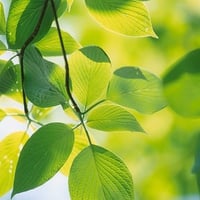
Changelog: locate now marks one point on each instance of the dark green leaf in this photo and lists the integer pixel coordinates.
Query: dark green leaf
(90, 70)
(23, 17)
(182, 85)
(44, 81)
(50, 44)
(110, 117)
(138, 89)
(96, 173)
(43, 156)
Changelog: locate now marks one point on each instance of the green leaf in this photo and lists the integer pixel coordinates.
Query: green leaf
(10, 82)
(10, 148)
(138, 89)
(69, 4)
(23, 18)
(182, 85)
(2, 20)
(44, 81)
(127, 17)
(96, 173)
(50, 44)
(2, 114)
(43, 156)
(80, 142)
(2, 47)
(110, 117)
(90, 70)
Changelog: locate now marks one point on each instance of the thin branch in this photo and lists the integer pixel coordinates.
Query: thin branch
(67, 76)
(21, 54)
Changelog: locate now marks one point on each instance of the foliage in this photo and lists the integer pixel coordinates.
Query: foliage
(93, 95)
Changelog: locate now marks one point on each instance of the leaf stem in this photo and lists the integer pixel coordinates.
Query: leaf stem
(67, 76)
(21, 56)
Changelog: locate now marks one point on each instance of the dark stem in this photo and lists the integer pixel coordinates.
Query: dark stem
(67, 76)
(21, 54)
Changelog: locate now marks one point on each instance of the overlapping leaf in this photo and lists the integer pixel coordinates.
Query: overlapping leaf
(10, 148)
(128, 17)
(2, 47)
(2, 20)
(10, 84)
(80, 143)
(43, 156)
(90, 73)
(182, 85)
(96, 173)
(138, 89)
(44, 81)
(110, 117)
(23, 18)
(69, 4)
(2, 114)
(50, 44)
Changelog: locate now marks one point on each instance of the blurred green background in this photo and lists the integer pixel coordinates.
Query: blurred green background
(161, 161)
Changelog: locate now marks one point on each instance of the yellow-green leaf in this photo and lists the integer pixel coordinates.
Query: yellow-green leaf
(127, 17)
(10, 148)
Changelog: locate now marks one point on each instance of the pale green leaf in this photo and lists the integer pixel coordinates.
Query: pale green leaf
(23, 18)
(96, 173)
(69, 4)
(2, 114)
(43, 156)
(50, 44)
(90, 71)
(138, 89)
(80, 142)
(10, 148)
(10, 81)
(2, 47)
(2, 20)
(182, 85)
(110, 117)
(44, 81)
(127, 17)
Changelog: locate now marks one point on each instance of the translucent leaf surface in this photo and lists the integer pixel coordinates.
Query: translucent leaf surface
(69, 4)
(182, 85)
(10, 148)
(97, 173)
(110, 117)
(128, 17)
(80, 143)
(2, 114)
(10, 84)
(2, 20)
(50, 44)
(23, 17)
(43, 156)
(2, 47)
(44, 81)
(90, 73)
(137, 89)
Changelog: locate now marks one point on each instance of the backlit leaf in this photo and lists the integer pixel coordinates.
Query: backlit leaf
(10, 148)
(2, 114)
(10, 81)
(182, 85)
(2, 20)
(90, 74)
(138, 89)
(50, 44)
(127, 17)
(80, 143)
(96, 173)
(69, 4)
(23, 17)
(110, 117)
(2, 47)
(44, 81)
(43, 156)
